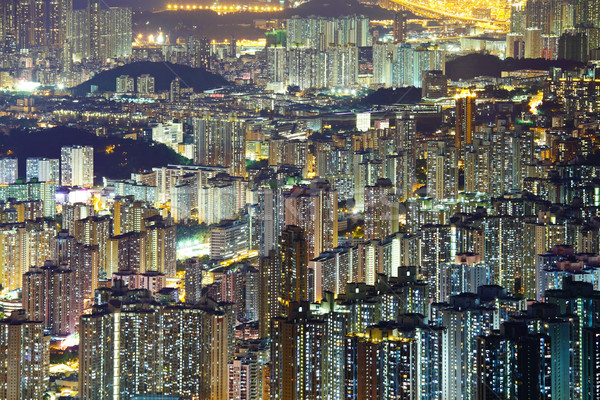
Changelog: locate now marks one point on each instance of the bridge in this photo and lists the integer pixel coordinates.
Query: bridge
(422, 10)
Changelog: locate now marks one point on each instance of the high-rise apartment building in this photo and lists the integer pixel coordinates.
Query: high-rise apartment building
(465, 275)
(314, 209)
(138, 347)
(271, 285)
(145, 84)
(98, 32)
(464, 321)
(175, 90)
(400, 26)
(51, 294)
(24, 24)
(297, 354)
(130, 215)
(202, 58)
(161, 247)
(181, 202)
(43, 169)
(24, 357)
(126, 252)
(277, 62)
(125, 84)
(465, 120)
(94, 231)
(381, 210)
(94, 31)
(9, 170)
(229, 239)
(591, 363)
(318, 32)
(221, 142)
(405, 141)
(533, 43)
(74, 212)
(294, 265)
(271, 222)
(77, 166)
(514, 363)
(442, 170)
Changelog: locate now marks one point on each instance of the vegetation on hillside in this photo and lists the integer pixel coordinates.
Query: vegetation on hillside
(113, 157)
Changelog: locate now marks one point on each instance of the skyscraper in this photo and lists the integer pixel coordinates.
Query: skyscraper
(145, 84)
(51, 294)
(400, 28)
(126, 252)
(297, 354)
(9, 171)
(161, 245)
(314, 208)
(294, 265)
(442, 170)
(24, 24)
(270, 209)
(94, 231)
(43, 169)
(221, 141)
(591, 363)
(271, 286)
(24, 357)
(125, 84)
(74, 212)
(175, 91)
(381, 210)
(77, 166)
(138, 346)
(276, 59)
(578, 299)
(465, 120)
(513, 364)
(533, 43)
(405, 142)
(202, 59)
(464, 321)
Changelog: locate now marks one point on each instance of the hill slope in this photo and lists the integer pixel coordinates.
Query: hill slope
(113, 158)
(387, 96)
(473, 65)
(163, 73)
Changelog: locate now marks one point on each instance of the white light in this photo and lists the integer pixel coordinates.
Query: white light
(27, 86)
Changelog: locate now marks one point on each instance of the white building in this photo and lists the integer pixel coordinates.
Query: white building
(43, 169)
(9, 170)
(229, 239)
(464, 321)
(125, 84)
(363, 121)
(77, 166)
(169, 133)
(145, 84)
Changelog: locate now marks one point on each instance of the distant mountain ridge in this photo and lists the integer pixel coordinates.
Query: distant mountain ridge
(163, 72)
(208, 23)
(338, 8)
